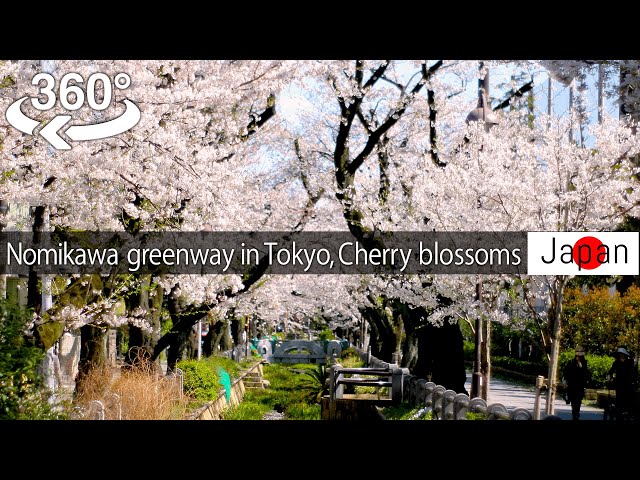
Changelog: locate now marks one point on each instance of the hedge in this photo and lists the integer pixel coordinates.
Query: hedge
(598, 365)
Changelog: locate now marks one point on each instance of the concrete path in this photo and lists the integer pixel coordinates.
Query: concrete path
(517, 396)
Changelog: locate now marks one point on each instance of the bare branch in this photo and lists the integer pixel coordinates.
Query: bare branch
(394, 83)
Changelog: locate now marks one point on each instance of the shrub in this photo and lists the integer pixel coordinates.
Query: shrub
(598, 365)
(601, 321)
(520, 366)
(316, 383)
(350, 352)
(351, 362)
(350, 358)
(469, 349)
(22, 395)
(326, 334)
(200, 380)
(230, 366)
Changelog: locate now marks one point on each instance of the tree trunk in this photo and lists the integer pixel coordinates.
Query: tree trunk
(237, 328)
(141, 343)
(34, 297)
(226, 342)
(441, 356)
(92, 352)
(555, 321)
(383, 334)
(410, 351)
(214, 338)
(176, 349)
(411, 321)
(183, 318)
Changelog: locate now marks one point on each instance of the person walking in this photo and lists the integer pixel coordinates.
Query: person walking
(621, 376)
(576, 374)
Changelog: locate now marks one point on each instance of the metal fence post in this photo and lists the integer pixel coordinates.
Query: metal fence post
(536, 404)
(100, 406)
(180, 375)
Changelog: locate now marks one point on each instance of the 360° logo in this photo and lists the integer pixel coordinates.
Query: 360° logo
(49, 132)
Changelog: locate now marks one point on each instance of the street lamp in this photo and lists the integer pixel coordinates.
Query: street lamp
(482, 113)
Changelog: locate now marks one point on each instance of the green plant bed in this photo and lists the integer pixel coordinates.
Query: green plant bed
(293, 389)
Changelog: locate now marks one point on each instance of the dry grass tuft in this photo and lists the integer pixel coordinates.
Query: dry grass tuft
(136, 393)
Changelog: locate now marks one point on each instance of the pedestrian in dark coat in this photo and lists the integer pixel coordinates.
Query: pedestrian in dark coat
(576, 374)
(622, 376)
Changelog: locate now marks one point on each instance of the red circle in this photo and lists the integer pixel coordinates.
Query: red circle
(585, 253)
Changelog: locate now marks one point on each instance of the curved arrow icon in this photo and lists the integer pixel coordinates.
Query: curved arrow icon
(50, 132)
(124, 122)
(18, 119)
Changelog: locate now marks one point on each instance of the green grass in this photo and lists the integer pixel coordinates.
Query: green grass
(289, 392)
(351, 362)
(247, 410)
(304, 411)
(403, 412)
(475, 416)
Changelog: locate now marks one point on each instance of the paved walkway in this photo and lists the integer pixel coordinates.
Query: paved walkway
(517, 396)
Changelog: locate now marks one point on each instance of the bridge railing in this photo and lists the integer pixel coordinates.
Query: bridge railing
(390, 378)
(444, 404)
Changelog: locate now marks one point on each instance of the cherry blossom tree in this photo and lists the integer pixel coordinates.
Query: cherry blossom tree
(539, 179)
(363, 146)
(180, 168)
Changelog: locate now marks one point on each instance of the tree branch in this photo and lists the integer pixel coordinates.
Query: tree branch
(313, 197)
(393, 118)
(383, 165)
(259, 120)
(517, 94)
(433, 134)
